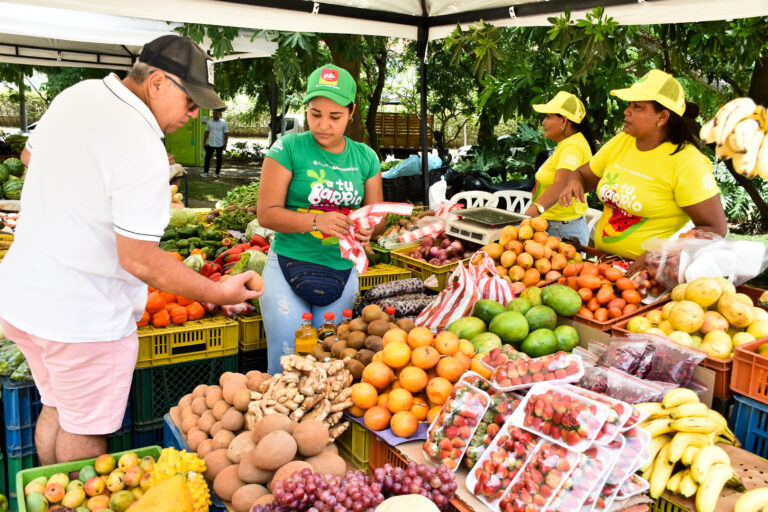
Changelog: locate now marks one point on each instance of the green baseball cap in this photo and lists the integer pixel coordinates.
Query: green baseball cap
(332, 82)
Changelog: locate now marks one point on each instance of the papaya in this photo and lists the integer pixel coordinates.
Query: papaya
(170, 495)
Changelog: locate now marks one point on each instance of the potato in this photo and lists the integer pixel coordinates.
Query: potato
(254, 382)
(186, 411)
(331, 448)
(199, 391)
(244, 497)
(240, 445)
(206, 421)
(175, 414)
(185, 401)
(274, 450)
(222, 439)
(212, 396)
(227, 482)
(251, 474)
(242, 399)
(214, 463)
(223, 378)
(189, 422)
(288, 469)
(198, 405)
(232, 420)
(311, 437)
(219, 409)
(264, 500)
(271, 423)
(235, 382)
(195, 438)
(205, 448)
(215, 429)
(328, 463)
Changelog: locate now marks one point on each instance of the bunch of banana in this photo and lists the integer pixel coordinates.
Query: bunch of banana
(740, 131)
(684, 457)
(755, 500)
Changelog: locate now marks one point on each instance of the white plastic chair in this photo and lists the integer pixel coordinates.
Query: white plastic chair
(517, 201)
(592, 216)
(476, 199)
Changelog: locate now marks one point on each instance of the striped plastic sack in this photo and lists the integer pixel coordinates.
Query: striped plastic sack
(454, 302)
(489, 283)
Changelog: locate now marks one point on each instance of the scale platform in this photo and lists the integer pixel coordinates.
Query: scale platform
(481, 225)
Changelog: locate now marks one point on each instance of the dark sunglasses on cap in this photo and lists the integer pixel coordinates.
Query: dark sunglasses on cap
(193, 106)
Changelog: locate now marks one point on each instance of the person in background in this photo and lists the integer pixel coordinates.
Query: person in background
(652, 178)
(215, 140)
(564, 123)
(96, 201)
(310, 181)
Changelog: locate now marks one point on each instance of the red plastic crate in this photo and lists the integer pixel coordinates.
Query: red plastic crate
(750, 371)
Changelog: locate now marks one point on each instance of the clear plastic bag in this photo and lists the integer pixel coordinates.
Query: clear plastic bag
(620, 385)
(672, 262)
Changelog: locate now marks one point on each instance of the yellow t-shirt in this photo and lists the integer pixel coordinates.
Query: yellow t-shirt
(644, 192)
(570, 153)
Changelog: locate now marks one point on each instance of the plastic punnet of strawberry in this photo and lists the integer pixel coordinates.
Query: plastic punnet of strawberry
(502, 355)
(500, 409)
(633, 486)
(636, 416)
(618, 413)
(449, 435)
(538, 481)
(559, 367)
(500, 463)
(614, 448)
(480, 382)
(637, 440)
(593, 464)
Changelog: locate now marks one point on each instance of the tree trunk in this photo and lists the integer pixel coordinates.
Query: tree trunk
(355, 129)
(274, 121)
(22, 104)
(758, 86)
(373, 107)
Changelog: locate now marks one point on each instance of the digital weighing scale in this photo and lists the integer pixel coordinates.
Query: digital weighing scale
(481, 225)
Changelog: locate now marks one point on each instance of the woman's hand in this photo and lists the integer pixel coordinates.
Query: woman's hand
(363, 235)
(334, 224)
(532, 211)
(573, 189)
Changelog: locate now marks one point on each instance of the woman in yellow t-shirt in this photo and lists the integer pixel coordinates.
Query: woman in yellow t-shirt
(564, 123)
(652, 178)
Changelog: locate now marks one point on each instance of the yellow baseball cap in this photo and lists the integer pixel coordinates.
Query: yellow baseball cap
(565, 104)
(658, 86)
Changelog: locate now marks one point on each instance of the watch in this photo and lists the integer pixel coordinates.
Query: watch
(539, 208)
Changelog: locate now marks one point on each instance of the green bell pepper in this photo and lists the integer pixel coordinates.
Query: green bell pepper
(169, 234)
(182, 243)
(169, 246)
(213, 234)
(188, 231)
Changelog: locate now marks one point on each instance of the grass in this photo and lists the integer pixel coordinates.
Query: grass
(204, 192)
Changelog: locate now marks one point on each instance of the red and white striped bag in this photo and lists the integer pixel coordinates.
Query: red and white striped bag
(454, 302)
(489, 283)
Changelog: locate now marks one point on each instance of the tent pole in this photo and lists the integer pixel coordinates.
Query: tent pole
(423, 40)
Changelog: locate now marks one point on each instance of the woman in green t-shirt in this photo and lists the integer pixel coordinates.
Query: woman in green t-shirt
(564, 123)
(310, 182)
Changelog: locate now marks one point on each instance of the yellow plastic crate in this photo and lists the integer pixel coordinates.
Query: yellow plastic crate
(251, 332)
(422, 269)
(382, 273)
(354, 444)
(199, 339)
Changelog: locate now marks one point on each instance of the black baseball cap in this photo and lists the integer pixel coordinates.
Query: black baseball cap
(184, 58)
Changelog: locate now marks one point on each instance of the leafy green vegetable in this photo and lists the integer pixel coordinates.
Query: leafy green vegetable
(244, 195)
(235, 219)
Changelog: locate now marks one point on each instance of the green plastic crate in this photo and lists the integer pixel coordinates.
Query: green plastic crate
(2, 474)
(119, 442)
(27, 475)
(15, 466)
(155, 390)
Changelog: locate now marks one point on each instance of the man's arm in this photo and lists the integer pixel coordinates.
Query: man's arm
(25, 156)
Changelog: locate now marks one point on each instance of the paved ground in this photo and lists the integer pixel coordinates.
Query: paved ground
(203, 192)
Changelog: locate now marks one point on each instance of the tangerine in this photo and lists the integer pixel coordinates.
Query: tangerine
(397, 354)
(394, 335)
(419, 337)
(438, 390)
(364, 395)
(464, 359)
(447, 343)
(425, 357)
(413, 378)
(396, 385)
(404, 424)
(433, 412)
(383, 399)
(400, 400)
(450, 368)
(355, 411)
(378, 374)
(478, 367)
(420, 409)
(377, 418)
(466, 347)
(378, 357)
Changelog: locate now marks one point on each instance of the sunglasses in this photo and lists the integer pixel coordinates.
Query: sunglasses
(193, 106)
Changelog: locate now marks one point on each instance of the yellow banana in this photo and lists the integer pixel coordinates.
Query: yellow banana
(683, 440)
(761, 167)
(705, 459)
(687, 486)
(662, 470)
(695, 425)
(673, 484)
(724, 151)
(741, 135)
(679, 396)
(720, 421)
(707, 132)
(752, 501)
(658, 427)
(709, 490)
(689, 454)
(656, 444)
(746, 164)
(688, 409)
(733, 112)
(654, 410)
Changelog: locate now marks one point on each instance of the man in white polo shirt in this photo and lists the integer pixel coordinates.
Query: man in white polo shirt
(215, 140)
(95, 202)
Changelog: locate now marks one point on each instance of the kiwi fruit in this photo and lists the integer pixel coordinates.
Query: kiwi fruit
(378, 327)
(317, 351)
(342, 331)
(328, 342)
(374, 343)
(406, 324)
(348, 352)
(355, 367)
(371, 312)
(358, 324)
(365, 356)
(356, 339)
(324, 356)
(338, 347)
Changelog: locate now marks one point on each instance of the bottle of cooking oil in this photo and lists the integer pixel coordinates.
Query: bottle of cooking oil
(390, 311)
(346, 317)
(306, 335)
(327, 329)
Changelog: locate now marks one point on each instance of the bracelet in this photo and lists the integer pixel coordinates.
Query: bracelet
(314, 223)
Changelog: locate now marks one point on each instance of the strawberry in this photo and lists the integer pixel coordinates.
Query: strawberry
(560, 374)
(537, 423)
(539, 500)
(545, 491)
(553, 479)
(527, 379)
(538, 377)
(459, 443)
(445, 444)
(556, 433)
(539, 408)
(465, 432)
(572, 438)
(452, 432)
(527, 420)
(549, 376)
(515, 382)
(459, 421)
(456, 453)
(535, 475)
(525, 497)
(563, 465)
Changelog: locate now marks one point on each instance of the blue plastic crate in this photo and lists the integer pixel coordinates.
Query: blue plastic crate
(174, 438)
(749, 421)
(21, 407)
(147, 434)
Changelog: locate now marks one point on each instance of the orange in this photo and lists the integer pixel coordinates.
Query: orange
(399, 400)
(464, 359)
(378, 357)
(394, 335)
(364, 395)
(438, 390)
(356, 411)
(397, 354)
(447, 343)
(396, 385)
(433, 412)
(383, 399)
(377, 418)
(413, 379)
(404, 424)
(466, 347)
(419, 337)
(419, 408)
(450, 368)
(425, 357)
(478, 367)
(378, 374)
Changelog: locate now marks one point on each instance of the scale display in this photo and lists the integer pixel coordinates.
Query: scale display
(481, 225)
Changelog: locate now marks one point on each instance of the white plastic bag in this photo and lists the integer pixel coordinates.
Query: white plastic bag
(437, 194)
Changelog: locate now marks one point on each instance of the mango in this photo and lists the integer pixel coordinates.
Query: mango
(74, 498)
(116, 481)
(737, 312)
(758, 329)
(36, 502)
(127, 461)
(563, 299)
(638, 324)
(714, 321)
(121, 500)
(94, 486)
(61, 478)
(104, 464)
(741, 338)
(704, 291)
(717, 344)
(681, 338)
(133, 476)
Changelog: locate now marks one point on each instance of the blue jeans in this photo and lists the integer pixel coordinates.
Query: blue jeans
(576, 228)
(281, 309)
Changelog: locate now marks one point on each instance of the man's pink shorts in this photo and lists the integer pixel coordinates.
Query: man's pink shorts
(87, 383)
